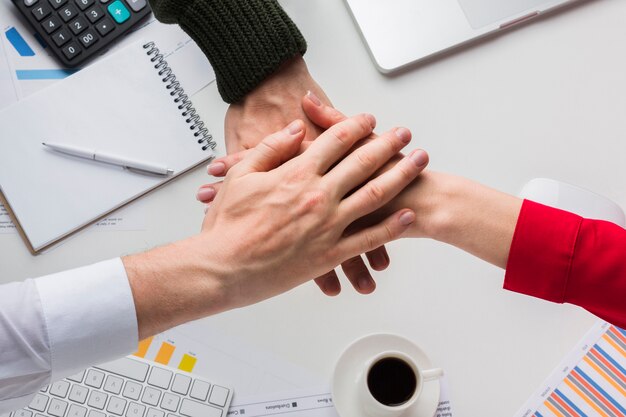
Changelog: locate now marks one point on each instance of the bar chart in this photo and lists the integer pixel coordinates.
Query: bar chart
(165, 351)
(590, 382)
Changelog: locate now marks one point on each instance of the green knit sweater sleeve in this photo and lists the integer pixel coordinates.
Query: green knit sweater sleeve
(244, 40)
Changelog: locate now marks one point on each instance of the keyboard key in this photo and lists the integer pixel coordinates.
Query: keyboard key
(151, 396)
(78, 394)
(23, 413)
(88, 38)
(68, 13)
(94, 413)
(57, 408)
(60, 389)
(128, 368)
(181, 384)
(170, 402)
(116, 406)
(79, 376)
(113, 384)
(57, 3)
(29, 3)
(97, 400)
(155, 413)
(94, 378)
(118, 11)
(76, 411)
(137, 5)
(41, 12)
(160, 377)
(132, 390)
(200, 390)
(52, 24)
(195, 409)
(94, 14)
(44, 389)
(71, 50)
(136, 410)
(219, 395)
(84, 4)
(39, 403)
(78, 25)
(105, 26)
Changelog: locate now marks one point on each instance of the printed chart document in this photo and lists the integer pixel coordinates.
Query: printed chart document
(590, 381)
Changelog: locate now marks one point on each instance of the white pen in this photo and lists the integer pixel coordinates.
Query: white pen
(130, 164)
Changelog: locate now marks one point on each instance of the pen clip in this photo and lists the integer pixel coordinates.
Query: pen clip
(149, 173)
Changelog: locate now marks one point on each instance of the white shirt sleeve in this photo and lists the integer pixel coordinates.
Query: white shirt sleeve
(55, 326)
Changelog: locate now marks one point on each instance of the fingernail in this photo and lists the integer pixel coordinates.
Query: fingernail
(365, 283)
(332, 287)
(371, 119)
(315, 99)
(404, 134)
(379, 260)
(419, 157)
(406, 219)
(216, 168)
(294, 128)
(205, 193)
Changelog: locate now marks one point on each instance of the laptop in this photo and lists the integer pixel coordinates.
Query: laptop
(403, 32)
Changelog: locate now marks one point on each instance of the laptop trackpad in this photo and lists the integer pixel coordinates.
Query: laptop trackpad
(484, 12)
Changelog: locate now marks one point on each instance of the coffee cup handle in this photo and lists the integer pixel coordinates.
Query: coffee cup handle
(431, 374)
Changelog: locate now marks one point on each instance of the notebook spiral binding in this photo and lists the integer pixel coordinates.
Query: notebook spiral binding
(183, 101)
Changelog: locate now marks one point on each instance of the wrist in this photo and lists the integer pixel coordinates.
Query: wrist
(174, 284)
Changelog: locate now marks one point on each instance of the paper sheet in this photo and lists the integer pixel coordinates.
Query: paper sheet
(590, 381)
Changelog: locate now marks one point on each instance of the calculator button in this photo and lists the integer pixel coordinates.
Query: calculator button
(68, 13)
(78, 25)
(71, 50)
(119, 12)
(83, 4)
(88, 38)
(94, 14)
(61, 37)
(137, 5)
(41, 11)
(105, 26)
(51, 24)
(29, 3)
(57, 3)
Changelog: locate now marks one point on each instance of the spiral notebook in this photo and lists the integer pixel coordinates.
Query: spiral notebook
(128, 104)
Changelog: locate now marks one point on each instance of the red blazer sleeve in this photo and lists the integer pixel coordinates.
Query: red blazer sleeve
(561, 257)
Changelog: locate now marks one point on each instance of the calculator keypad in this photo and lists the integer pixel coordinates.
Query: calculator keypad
(77, 29)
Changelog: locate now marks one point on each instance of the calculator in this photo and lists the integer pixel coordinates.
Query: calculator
(78, 30)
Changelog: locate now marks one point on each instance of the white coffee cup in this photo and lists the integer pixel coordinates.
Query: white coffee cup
(409, 383)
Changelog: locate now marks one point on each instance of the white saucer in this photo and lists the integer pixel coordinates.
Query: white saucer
(350, 365)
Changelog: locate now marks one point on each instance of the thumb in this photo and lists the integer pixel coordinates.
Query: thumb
(319, 113)
(272, 151)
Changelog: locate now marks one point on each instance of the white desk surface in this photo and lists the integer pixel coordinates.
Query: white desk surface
(548, 99)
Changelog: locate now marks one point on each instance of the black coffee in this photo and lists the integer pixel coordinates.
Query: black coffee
(392, 381)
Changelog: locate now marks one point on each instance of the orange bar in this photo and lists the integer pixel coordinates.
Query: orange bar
(617, 334)
(595, 393)
(562, 403)
(605, 376)
(165, 353)
(615, 345)
(584, 397)
(552, 408)
(144, 345)
(187, 363)
(609, 365)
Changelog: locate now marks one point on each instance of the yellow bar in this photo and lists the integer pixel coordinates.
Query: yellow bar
(144, 345)
(187, 363)
(165, 353)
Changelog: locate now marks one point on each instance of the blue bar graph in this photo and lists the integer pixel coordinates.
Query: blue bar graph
(19, 43)
(44, 74)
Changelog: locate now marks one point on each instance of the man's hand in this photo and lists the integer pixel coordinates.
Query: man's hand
(277, 223)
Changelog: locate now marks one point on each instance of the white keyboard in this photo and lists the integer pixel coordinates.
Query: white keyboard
(130, 387)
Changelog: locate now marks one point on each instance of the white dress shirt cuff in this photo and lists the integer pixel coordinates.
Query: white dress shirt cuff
(90, 316)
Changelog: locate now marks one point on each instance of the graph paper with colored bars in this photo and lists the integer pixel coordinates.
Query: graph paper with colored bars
(162, 350)
(591, 380)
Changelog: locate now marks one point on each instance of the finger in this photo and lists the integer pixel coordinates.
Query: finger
(357, 273)
(371, 238)
(208, 192)
(361, 164)
(378, 259)
(273, 150)
(221, 166)
(329, 283)
(380, 190)
(319, 113)
(333, 144)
